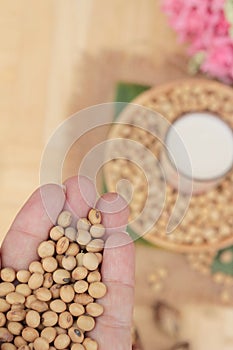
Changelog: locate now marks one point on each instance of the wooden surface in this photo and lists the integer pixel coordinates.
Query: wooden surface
(58, 56)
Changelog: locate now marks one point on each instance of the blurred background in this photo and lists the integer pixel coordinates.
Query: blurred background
(57, 57)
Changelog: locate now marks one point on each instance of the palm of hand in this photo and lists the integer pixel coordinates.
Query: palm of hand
(31, 226)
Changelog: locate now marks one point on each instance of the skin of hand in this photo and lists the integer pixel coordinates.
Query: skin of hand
(32, 225)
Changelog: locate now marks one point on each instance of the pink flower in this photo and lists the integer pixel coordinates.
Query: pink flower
(204, 25)
(219, 60)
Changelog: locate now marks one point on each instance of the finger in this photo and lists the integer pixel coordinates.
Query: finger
(80, 196)
(115, 212)
(113, 329)
(31, 226)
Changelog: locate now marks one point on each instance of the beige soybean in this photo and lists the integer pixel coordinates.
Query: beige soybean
(94, 309)
(2, 319)
(41, 344)
(77, 347)
(49, 318)
(59, 258)
(62, 341)
(36, 266)
(65, 320)
(97, 290)
(17, 306)
(43, 294)
(94, 276)
(36, 280)
(94, 216)
(8, 346)
(15, 328)
(67, 293)
(45, 249)
(24, 347)
(23, 276)
(90, 344)
(69, 262)
(95, 246)
(19, 341)
(16, 315)
(29, 300)
(30, 334)
(90, 261)
(83, 224)
(5, 335)
(79, 259)
(58, 305)
(49, 333)
(56, 233)
(83, 299)
(99, 257)
(83, 237)
(8, 274)
(62, 245)
(86, 323)
(39, 306)
(48, 280)
(79, 273)
(49, 264)
(55, 290)
(70, 233)
(4, 306)
(6, 288)
(97, 230)
(76, 309)
(33, 319)
(76, 335)
(15, 298)
(23, 289)
(60, 330)
(64, 219)
(81, 286)
(73, 249)
(61, 276)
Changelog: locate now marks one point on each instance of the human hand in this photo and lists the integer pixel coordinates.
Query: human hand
(32, 225)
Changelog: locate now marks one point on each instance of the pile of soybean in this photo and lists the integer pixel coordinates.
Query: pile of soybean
(54, 303)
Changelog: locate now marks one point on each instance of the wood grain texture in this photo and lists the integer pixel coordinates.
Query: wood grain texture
(58, 56)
